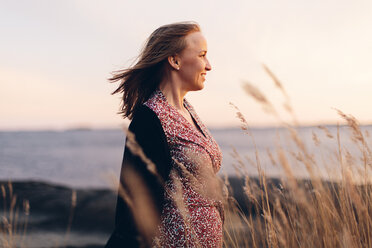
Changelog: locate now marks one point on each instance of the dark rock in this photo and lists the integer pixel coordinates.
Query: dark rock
(51, 208)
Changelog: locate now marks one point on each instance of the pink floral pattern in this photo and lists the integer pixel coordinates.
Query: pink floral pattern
(192, 216)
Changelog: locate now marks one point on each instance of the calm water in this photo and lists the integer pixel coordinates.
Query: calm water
(88, 158)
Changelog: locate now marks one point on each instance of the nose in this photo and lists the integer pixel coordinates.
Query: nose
(208, 66)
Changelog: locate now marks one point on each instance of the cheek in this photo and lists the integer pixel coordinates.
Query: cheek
(201, 66)
(192, 68)
(187, 73)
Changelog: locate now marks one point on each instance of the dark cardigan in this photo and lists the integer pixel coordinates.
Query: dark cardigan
(150, 136)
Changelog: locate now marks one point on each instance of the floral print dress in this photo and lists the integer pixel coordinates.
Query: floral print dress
(193, 212)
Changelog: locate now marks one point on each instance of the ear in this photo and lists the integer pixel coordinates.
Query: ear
(174, 62)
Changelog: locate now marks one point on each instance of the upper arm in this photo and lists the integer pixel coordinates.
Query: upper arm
(150, 137)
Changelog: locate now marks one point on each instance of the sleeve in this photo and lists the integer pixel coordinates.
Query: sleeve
(136, 178)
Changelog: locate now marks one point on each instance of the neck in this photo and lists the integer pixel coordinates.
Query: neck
(173, 92)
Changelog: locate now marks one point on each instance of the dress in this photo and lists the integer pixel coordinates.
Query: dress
(182, 154)
(195, 220)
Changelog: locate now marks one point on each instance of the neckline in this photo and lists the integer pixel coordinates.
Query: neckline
(197, 127)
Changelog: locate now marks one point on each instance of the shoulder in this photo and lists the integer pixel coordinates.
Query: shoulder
(150, 136)
(144, 118)
(144, 112)
(148, 130)
(147, 115)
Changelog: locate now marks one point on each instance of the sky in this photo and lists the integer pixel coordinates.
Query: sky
(56, 57)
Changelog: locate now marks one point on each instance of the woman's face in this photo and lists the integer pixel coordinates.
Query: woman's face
(193, 62)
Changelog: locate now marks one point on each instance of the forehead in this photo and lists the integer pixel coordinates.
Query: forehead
(196, 41)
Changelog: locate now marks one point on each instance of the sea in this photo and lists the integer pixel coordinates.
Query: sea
(89, 158)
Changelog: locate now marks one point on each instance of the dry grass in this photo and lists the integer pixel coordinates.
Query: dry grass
(14, 221)
(312, 213)
(12, 233)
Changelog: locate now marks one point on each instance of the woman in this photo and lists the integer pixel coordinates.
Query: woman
(169, 196)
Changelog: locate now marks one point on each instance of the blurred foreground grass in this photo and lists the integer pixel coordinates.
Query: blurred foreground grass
(303, 213)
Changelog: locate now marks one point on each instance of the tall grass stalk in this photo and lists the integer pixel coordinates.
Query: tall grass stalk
(304, 213)
(12, 232)
(14, 221)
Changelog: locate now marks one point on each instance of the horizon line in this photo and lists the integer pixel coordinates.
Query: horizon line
(211, 127)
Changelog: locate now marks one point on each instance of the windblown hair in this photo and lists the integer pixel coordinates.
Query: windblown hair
(139, 81)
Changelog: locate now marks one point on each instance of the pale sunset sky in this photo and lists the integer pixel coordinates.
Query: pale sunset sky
(56, 56)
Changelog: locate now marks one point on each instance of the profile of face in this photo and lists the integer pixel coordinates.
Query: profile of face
(193, 63)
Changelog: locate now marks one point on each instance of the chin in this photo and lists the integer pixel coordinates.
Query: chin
(197, 86)
(200, 87)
